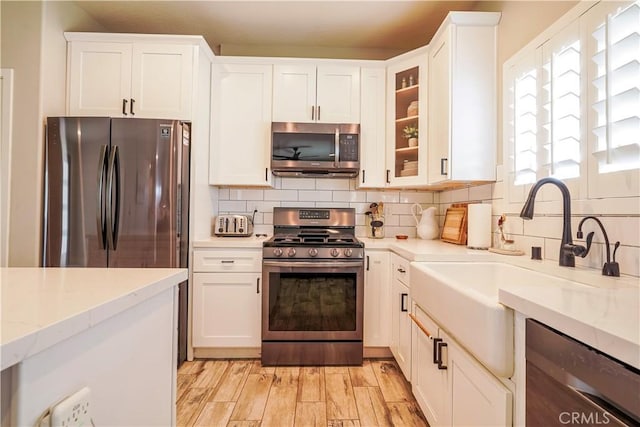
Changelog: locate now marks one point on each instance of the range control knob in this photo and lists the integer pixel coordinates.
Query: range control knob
(313, 252)
(348, 252)
(277, 251)
(334, 252)
(291, 253)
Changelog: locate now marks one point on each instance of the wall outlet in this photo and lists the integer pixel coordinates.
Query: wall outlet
(73, 411)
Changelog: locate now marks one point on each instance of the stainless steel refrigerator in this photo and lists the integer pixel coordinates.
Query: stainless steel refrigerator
(116, 194)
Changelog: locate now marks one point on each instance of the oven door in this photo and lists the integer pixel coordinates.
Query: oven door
(312, 300)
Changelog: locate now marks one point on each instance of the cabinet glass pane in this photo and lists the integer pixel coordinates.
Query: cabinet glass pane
(406, 122)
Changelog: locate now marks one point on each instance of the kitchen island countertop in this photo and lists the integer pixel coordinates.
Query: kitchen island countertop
(44, 306)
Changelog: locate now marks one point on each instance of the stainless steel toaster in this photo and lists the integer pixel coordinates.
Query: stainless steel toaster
(233, 225)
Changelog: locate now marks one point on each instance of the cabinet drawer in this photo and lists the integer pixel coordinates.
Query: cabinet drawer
(227, 260)
(401, 269)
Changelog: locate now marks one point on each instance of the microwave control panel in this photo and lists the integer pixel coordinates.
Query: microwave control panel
(348, 147)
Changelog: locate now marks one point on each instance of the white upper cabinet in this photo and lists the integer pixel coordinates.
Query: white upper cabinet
(310, 93)
(130, 75)
(407, 120)
(162, 80)
(462, 104)
(240, 124)
(372, 128)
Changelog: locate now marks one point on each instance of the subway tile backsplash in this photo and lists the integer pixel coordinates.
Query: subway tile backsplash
(326, 193)
(620, 216)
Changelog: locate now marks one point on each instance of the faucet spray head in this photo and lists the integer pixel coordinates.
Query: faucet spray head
(527, 209)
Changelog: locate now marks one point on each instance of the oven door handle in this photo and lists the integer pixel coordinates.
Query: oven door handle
(317, 264)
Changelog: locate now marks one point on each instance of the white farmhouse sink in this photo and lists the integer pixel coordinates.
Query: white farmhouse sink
(463, 298)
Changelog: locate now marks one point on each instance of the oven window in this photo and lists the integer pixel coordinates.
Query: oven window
(312, 302)
(313, 147)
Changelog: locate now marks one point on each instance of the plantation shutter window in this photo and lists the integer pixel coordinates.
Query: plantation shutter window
(560, 132)
(525, 127)
(613, 63)
(617, 91)
(572, 105)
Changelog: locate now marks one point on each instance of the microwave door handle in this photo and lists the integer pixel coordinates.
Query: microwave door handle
(336, 158)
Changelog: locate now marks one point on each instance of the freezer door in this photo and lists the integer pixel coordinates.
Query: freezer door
(147, 203)
(74, 220)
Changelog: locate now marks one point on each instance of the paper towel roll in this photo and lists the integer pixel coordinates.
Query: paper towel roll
(479, 231)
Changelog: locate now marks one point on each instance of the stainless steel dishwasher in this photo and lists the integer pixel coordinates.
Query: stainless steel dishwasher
(570, 383)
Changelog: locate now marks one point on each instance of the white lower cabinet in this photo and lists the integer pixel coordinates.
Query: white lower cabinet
(430, 385)
(377, 291)
(450, 386)
(400, 344)
(477, 397)
(226, 298)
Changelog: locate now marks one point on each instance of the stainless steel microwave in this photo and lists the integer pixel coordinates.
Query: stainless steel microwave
(315, 149)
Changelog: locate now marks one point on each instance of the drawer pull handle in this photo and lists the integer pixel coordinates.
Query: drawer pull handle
(440, 345)
(401, 270)
(420, 325)
(403, 302)
(227, 261)
(258, 285)
(436, 354)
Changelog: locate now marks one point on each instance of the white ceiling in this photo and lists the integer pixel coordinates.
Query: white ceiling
(387, 26)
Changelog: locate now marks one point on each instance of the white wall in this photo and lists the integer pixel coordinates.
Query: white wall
(33, 45)
(6, 102)
(21, 42)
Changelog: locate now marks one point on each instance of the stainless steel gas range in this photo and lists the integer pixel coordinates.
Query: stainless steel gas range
(313, 285)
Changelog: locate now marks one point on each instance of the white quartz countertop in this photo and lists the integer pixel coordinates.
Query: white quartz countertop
(43, 306)
(605, 314)
(252, 241)
(414, 249)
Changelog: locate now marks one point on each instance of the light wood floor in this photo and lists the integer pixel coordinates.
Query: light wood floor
(244, 393)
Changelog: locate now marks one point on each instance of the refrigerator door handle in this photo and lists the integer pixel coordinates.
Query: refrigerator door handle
(100, 220)
(113, 213)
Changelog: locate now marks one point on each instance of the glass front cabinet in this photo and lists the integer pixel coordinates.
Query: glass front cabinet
(407, 125)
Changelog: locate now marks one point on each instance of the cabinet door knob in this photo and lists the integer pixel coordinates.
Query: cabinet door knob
(124, 107)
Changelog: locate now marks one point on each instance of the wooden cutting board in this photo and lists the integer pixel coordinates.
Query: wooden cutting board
(454, 229)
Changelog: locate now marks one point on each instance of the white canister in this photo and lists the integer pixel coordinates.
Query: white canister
(479, 226)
